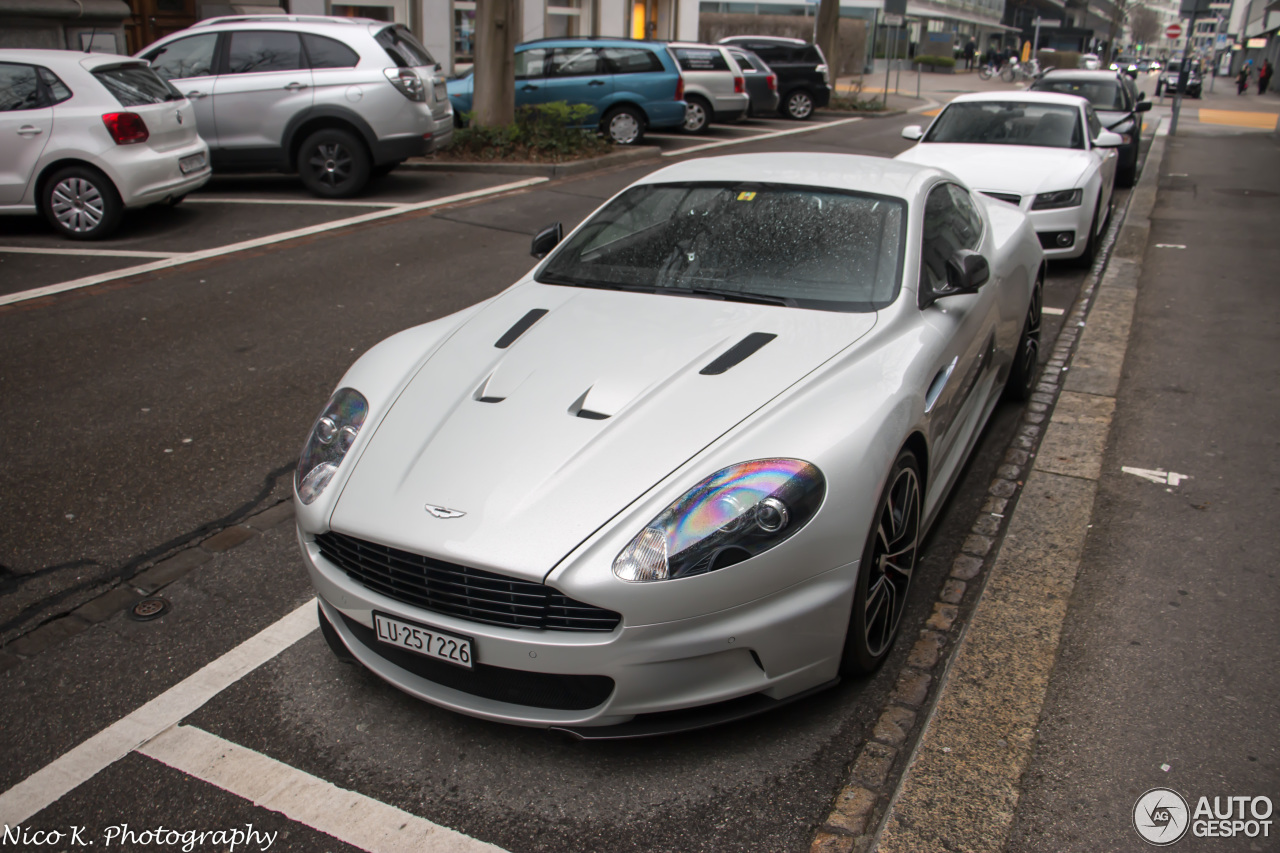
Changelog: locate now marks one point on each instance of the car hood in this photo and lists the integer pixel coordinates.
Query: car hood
(1020, 169)
(496, 433)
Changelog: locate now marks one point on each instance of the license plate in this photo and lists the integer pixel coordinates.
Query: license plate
(191, 164)
(424, 640)
(441, 92)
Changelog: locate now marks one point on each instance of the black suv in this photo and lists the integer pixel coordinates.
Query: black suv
(804, 83)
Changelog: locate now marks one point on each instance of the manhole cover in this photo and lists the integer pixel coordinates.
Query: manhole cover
(148, 609)
(1248, 193)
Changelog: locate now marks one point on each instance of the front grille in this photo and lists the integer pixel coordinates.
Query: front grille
(515, 686)
(1011, 198)
(461, 591)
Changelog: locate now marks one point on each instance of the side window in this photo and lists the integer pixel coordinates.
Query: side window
(1095, 126)
(257, 52)
(968, 222)
(747, 66)
(188, 57)
(57, 90)
(575, 62)
(945, 230)
(19, 88)
(325, 52)
(531, 63)
(630, 60)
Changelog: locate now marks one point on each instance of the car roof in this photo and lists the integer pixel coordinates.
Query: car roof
(771, 39)
(1082, 74)
(311, 20)
(590, 41)
(851, 172)
(1026, 97)
(45, 56)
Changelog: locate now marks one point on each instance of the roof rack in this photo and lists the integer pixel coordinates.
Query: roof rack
(282, 19)
(589, 38)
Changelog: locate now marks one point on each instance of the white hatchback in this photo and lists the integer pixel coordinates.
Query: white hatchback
(83, 136)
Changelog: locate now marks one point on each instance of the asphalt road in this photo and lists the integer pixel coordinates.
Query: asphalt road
(148, 412)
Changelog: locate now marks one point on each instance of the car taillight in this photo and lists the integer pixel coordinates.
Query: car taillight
(739, 85)
(772, 82)
(679, 89)
(407, 83)
(126, 128)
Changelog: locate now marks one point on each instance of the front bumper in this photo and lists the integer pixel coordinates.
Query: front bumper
(778, 646)
(1063, 220)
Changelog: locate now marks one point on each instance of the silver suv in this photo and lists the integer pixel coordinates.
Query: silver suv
(338, 100)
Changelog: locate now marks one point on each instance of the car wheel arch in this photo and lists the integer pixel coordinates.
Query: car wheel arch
(55, 166)
(306, 124)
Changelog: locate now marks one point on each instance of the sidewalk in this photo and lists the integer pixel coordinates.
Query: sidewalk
(1127, 637)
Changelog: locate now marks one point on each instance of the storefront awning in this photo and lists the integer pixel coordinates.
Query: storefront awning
(942, 13)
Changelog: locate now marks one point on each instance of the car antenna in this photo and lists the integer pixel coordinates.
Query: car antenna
(88, 48)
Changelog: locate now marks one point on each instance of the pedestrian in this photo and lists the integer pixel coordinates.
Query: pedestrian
(1242, 79)
(1264, 76)
(970, 50)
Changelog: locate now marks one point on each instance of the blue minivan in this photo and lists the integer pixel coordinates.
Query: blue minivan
(634, 86)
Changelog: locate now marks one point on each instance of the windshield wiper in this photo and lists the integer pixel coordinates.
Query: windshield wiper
(557, 278)
(731, 295)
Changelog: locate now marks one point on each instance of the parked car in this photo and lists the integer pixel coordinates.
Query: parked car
(338, 100)
(634, 86)
(715, 88)
(762, 83)
(1118, 104)
(90, 134)
(1167, 82)
(1044, 153)
(586, 539)
(804, 81)
(1090, 62)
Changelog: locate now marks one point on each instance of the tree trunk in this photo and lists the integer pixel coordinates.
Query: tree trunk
(828, 36)
(497, 34)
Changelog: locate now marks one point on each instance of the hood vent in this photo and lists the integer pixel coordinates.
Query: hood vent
(737, 354)
(522, 325)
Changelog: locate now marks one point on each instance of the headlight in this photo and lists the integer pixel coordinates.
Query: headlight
(1060, 198)
(331, 437)
(736, 513)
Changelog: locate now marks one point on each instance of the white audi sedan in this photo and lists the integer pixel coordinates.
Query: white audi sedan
(679, 472)
(1044, 153)
(86, 135)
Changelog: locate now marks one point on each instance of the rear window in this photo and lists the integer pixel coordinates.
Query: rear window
(328, 53)
(700, 59)
(1104, 95)
(403, 48)
(135, 85)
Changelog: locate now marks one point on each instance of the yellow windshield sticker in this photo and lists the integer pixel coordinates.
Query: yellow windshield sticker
(746, 196)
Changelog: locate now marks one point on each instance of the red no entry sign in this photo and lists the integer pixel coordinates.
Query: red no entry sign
(1174, 31)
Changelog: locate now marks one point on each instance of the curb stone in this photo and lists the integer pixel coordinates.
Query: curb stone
(628, 157)
(862, 808)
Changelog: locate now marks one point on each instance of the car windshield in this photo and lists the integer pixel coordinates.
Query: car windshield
(136, 85)
(805, 247)
(1008, 123)
(1103, 94)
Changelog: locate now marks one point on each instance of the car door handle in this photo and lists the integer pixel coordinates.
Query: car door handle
(596, 83)
(28, 130)
(528, 88)
(195, 95)
(294, 87)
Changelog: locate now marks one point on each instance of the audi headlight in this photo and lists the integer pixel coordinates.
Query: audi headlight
(331, 437)
(736, 513)
(1060, 198)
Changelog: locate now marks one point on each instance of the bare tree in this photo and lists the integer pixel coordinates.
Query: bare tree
(1144, 24)
(827, 36)
(497, 34)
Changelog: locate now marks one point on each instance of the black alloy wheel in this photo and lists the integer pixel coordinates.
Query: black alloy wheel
(334, 164)
(1022, 375)
(884, 575)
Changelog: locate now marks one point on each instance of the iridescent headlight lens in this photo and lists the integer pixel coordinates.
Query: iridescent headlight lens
(736, 513)
(331, 437)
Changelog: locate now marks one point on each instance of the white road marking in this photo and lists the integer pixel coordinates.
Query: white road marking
(771, 135)
(346, 815)
(1156, 475)
(303, 201)
(1057, 312)
(88, 253)
(57, 778)
(204, 254)
(1170, 246)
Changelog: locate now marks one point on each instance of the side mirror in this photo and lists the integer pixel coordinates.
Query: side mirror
(546, 240)
(1142, 106)
(913, 132)
(1107, 139)
(967, 271)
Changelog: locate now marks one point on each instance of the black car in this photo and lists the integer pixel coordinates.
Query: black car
(1117, 103)
(1167, 82)
(804, 82)
(762, 83)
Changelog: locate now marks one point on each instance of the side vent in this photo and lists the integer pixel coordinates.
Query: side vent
(578, 410)
(522, 325)
(737, 354)
(480, 395)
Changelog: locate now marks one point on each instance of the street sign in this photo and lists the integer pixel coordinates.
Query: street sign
(894, 20)
(1173, 31)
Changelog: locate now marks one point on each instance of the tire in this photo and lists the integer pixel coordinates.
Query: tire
(1127, 175)
(984, 73)
(81, 203)
(798, 106)
(1007, 74)
(333, 163)
(1090, 253)
(880, 595)
(174, 201)
(697, 115)
(623, 125)
(1022, 375)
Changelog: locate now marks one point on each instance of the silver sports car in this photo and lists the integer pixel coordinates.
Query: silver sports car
(680, 471)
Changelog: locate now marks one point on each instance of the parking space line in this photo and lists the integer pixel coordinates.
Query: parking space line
(292, 201)
(257, 242)
(88, 253)
(60, 776)
(1056, 312)
(345, 815)
(771, 135)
